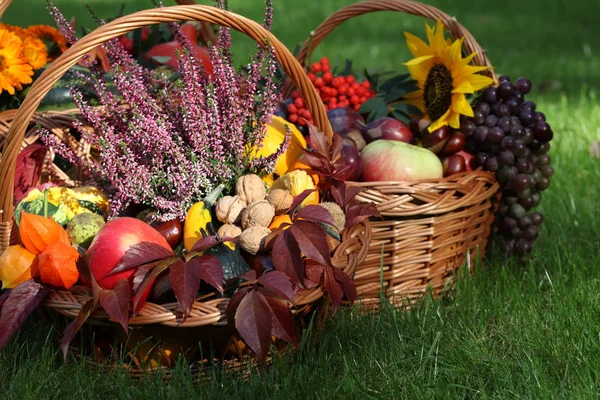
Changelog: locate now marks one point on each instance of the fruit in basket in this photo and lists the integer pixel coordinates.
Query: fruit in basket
(17, 265)
(454, 164)
(252, 239)
(296, 182)
(280, 199)
(280, 220)
(199, 218)
(250, 188)
(345, 118)
(231, 260)
(111, 243)
(391, 160)
(229, 209)
(352, 158)
(389, 129)
(229, 230)
(468, 157)
(83, 228)
(171, 230)
(354, 137)
(274, 137)
(37, 232)
(57, 265)
(259, 213)
(436, 141)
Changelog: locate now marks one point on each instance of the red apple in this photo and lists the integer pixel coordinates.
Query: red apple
(345, 118)
(112, 241)
(388, 129)
(391, 160)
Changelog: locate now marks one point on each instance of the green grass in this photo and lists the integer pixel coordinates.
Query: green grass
(510, 331)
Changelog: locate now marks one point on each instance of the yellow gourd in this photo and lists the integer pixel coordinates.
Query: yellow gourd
(273, 140)
(296, 182)
(198, 217)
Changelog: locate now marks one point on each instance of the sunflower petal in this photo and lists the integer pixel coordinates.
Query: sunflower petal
(463, 87)
(480, 81)
(466, 71)
(416, 46)
(442, 121)
(439, 42)
(454, 120)
(460, 105)
(419, 60)
(454, 51)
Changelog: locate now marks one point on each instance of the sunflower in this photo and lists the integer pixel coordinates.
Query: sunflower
(443, 77)
(14, 68)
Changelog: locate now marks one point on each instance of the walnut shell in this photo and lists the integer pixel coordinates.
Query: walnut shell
(252, 239)
(229, 209)
(229, 230)
(280, 199)
(250, 188)
(259, 213)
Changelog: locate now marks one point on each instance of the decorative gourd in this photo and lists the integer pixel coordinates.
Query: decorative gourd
(199, 218)
(279, 220)
(274, 139)
(296, 182)
(231, 259)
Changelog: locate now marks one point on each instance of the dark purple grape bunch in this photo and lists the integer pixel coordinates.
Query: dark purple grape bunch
(508, 136)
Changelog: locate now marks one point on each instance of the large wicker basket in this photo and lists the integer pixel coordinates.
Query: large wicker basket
(207, 323)
(429, 228)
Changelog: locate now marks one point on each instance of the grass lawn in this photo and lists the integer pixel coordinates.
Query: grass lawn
(511, 331)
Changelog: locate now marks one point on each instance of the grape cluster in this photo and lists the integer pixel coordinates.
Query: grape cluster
(335, 91)
(508, 136)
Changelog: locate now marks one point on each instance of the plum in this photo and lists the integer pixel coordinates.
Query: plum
(388, 129)
(352, 158)
(345, 118)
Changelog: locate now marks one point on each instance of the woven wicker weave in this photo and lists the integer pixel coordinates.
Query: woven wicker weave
(208, 311)
(429, 227)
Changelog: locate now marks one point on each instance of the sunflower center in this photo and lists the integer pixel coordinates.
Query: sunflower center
(438, 91)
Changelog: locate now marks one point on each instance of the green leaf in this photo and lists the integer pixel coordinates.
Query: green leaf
(373, 104)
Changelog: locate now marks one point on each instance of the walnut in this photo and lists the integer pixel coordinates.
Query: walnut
(252, 239)
(229, 209)
(337, 213)
(229, 230)
(250, 188)
(280, 199)
(259, 213)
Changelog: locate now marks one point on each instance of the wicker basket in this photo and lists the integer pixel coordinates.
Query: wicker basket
(207, 323)
(429, 227)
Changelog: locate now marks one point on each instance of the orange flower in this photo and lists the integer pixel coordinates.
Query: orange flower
(50, 34)
(35, 51)
(14, 68)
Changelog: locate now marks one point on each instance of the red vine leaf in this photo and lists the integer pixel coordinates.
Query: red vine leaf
(140, 254)
(357, 213)
(209, 242)
(317, 162)
(72, 329)
(348, 285)
(28, 169)
(278, 283)
(312, 240)
(337, 145)
(282, 320)
(4, 296)
(334, 289)
(314, 271)
(253, 323)
(287, 257)
(319, 141)
(299, 199)
(185, 279)
(234, 303)
(141, 291)
(212, 271)
(249, 276)
(315, 214)
(19, 304)
(343, 193)
(116, 302)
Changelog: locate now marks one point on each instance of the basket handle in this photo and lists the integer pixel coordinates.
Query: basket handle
(3, 6)
(115, 29)
(405, 6)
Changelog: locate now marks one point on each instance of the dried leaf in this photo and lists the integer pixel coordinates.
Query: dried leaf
(234, 303)
(21, 302)
(278, 283)
(28, 169)
(348, 286)
(299, 199)
(143, 289)
(140, 254)
(253, 323)
(282, 320)
(58, 265)
(312, 240)
(38, 232)
(287, 257)
(315, 213)
(334, 290)
(116, 302)
(72, 329)
(17, 265)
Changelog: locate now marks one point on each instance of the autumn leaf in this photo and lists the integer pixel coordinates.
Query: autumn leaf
(287, 257)
(349, 288)
(71, 330)
(17, 265)
(343, 193)
(319, 140)
(4, 296)
(282, 320)
(312, 240)
(234, 303)
(37, 232)
(315, 214)
(334, 290)
(253, 323)
(116, 302)
(19, 304)
(357, 213)
(208, 242)
(58, 265)
(142, 289)
(140, 254)
(278, 283)
(28, 169)
(314, 271)
(299, 199)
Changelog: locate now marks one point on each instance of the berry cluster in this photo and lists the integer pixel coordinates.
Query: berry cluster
(510, 137)
(335, 91)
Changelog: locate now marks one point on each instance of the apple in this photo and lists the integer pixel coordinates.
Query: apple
(345, 118)
(391, 160)
(352, 157)
(111, 243)
(388, 129)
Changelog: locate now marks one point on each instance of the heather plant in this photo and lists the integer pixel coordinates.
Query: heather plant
(165, 142)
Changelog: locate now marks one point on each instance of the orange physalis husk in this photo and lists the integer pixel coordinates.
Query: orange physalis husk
(58, 265)
(17, 265)
(38, 232)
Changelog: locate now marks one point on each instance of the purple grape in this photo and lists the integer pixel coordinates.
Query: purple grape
(491, 121)
(495, 135)
(547, 171)
(479, 117)
(523, 85)
(508, 223)
(522, 165)
(517, 131)
(517, 211)
(537, 198)
(481, 133)
(480, 159)
(530, 233)
(503, 111)
(484, 108)
(544, 159)
(543, 184)
(519, 148)
(508, 143)
(506, 157)
(524, 246)
(511, 173)
(527, 202)
(468, 127)
(503, 78)
(522, 182)
(491, 164)
(523, 194)
(505, 90)
(489, 95)
(542, 131)
(528, 136)
(526, 117)
(544, 148)
(513, 103)
(539, 116)
(516, 232)
(530, 105)
(537, 218)
(505, 124)
(509, 247)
